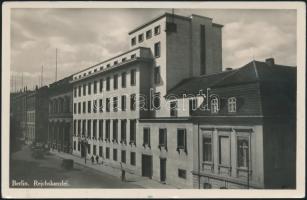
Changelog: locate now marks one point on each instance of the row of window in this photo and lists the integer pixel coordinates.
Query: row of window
(84, 128)
(224, 151)
(81, 89)
(148, 35)
(124, 59)
(96, 106)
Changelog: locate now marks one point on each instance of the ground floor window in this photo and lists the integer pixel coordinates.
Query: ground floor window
(115, 154)
(89, 149)
(243, 152)
(132, 158)
(79, 146)
(74, 145)
(100, 151)
(107, 153)
(207, 149)
(123, 156)
(182, 173)
(94, 149)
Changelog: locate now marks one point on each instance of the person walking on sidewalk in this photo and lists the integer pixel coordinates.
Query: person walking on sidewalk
(123, 172)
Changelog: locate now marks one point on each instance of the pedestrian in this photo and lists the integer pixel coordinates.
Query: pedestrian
(97, 158)
(123, 172)
(93, 159)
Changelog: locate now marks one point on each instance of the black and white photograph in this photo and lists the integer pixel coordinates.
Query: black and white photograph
(115, 98)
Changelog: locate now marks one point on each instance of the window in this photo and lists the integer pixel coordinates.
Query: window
(89, 149)
(89, 106)
(243, 152)
(214, 105)
(108, 84)
(115, 81)
(100, 129)
(83, 127)
(123, 103)
(79, 127)
(89, 91)
(181, 139)
(100, 105)
(132, 158)
(124, 59)
(75, 108)
(157, 49)
(107, 153)
(157, 77)
(146, 136)
(123, 156)
(141, 37)
(115, 154)
(100, 151)
(79, 146)
(79, 91)
(84, 89)
(132, 131)
(95, 106)
(156, 101)
(163, 137)
(100, 85)
(107, 129)
(75, 127)
(108, 65)
(123, 129)
(207, 149)
(124, 79)
(132, 102)
(133, 56)
(89, 128)
(157, 30)
(182, 173)
(95, 128)
(148, 34)
(173, 108)
(133, 41)
(224, 151)
(192, 105)
(94, 149)
(95, 87)
(84, 107)
(115, 104)
(132, 77)
(108, 104)
(75, 92)
(115, 62)
(79, 107)
(232, 104)
(115, 130)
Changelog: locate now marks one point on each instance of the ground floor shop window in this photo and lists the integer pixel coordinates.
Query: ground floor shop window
(182, 173)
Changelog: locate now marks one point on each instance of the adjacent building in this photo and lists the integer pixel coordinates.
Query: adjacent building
(60, 115)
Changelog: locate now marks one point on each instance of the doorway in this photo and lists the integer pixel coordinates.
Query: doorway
(162, 169)
(147, 166)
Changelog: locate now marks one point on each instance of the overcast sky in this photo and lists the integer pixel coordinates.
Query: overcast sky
(85, 37)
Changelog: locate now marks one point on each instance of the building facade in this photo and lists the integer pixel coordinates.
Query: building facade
(112, 98)
(60, 115)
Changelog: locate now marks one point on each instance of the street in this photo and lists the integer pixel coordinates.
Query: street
(25, 170)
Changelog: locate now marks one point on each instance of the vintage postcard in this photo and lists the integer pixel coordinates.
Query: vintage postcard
(153, 99)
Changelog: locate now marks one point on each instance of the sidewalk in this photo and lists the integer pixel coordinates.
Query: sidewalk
(115, 171)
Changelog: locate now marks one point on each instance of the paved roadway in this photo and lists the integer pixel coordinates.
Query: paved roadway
(27, 169)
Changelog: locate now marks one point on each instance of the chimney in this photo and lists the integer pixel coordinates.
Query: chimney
(270, 61)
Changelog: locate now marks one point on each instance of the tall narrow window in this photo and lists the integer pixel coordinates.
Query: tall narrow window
(207, 149)
(94, 149)
(108, 130)
(133, 131)
(79, 91)
(203, 49)
(173, 108)
(214, 105)
(115, 104)
(123, 102)
(108, 84)
(146, 136)
(224, 151)
(115, 81)
(79, 107)
(123, 156)
(89, 128)
(89, 106)
(95, 106)
(75, 127)
(89, 90)
(83, 127)
(100, 151)
(100, 105)
(181, 139)
(84, 107)
(162, 137)
(132, 102)
(232, 105)
(115, 130)
(132, 158)
(100, 129)
(157, 30)
(156, 101)
(107, 152)
(124, 79)
(115, 154)
(243, 152)
(132, 77)
(84, 89)
(157, 77)
(148, 34)
(157, 49)
(75, 108)
(95, 128)
(95, 87)
(75, 92)
(133, 41)
(79, 127)
(123, 131)
(100, 85)
(108, 104)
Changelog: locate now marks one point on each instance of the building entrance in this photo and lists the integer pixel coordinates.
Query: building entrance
(162, 169)
(147, 166)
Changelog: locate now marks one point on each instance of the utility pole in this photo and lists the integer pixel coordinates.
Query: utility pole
(56, 63)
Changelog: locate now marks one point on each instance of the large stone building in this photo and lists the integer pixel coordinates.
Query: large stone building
(60, 115)
(112, 97)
